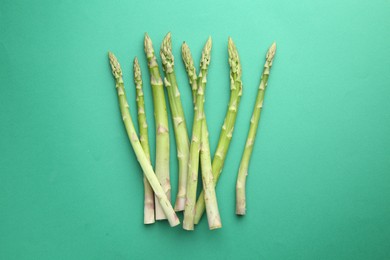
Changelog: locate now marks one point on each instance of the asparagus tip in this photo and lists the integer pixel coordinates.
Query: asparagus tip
(148, 46)
(166, 45)
(209, 44)
(167, 40)
(230, 40)
(271, 52)
(166, 54)
(188, 62)
(205, 60)
(184, 47)
(186, 54)
(137, 70)
(234, 59)
(232, 49)
(115, 66)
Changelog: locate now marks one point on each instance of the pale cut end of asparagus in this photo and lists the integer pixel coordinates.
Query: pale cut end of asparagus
(180, 204)
(167, 58)
(115, 66)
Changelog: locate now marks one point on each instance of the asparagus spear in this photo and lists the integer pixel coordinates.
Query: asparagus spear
(179, 123)
(135, 143)
(161, 118)
(192, 179)
(144, 139)
(212, 210)
(228, 125)
(243, 171)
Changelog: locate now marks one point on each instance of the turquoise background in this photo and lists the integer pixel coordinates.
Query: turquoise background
(319, 181)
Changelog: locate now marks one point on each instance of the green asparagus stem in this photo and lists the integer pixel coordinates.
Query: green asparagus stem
(243, 171)
(161, 119)
(228, 125)
(144, 139)
(212, 210)
(135, 143)
(179, 123)
(193, 165)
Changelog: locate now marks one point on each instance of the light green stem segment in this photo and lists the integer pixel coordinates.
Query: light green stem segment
(193, 165)
(243, 170)
(212, 210)
(161, 121)
(144, 139)
(228, 125)
(179, 123)
(135, 143)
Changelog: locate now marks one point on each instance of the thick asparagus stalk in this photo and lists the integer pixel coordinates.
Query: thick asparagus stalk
(243, 171)
(161, 119)
(193, 165)
(144, 139)
(212, 210)
(179, 123)
(135, 143)
(228, 125)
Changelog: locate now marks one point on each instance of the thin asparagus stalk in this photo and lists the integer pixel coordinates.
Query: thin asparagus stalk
(212, 210)
(144, 139)
(193, 165)
(228, 125)
(179, 123)
(135, 143)
(243, 171)
(161, 119)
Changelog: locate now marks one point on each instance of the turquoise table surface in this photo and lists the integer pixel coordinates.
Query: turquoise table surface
(319, 179)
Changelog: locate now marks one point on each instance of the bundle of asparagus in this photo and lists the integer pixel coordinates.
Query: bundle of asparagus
(189, 154)
(138, 150)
